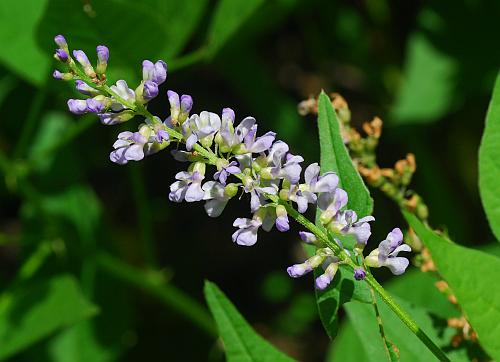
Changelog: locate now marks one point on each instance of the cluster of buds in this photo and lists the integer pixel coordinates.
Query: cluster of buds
(260, 166)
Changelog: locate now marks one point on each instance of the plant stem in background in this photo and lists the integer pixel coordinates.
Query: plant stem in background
(168, 294)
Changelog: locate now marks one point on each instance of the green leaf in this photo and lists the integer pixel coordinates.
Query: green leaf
(228, 18)
(19, 51)
(472, 276)
(241, 342)
(363, 318)
(335, 157)
(346, 347)
(79, 206)
(427, 92)
(52, 126)
(30, 314)
(489, 163)
(343, 289)
(419, 288)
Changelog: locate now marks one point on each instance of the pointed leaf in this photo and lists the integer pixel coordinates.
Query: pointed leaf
(335, 157)
(229, 16)
(489, 163)
(472, 276)
(241, 342)
(30, 314)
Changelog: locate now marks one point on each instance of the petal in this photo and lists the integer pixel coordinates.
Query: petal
(192, 139)
(263, 143)
(245, 237)
(311, 173)
(397, 265)
(298, 270)
(117, 156)
(215, 207)
(134, 152)
(395, 237)
(282, 223)
(194, 193)
(326, 183)
(401, 248)
(244, 127)
(308, 238)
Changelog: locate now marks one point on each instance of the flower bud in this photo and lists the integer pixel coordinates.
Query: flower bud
(61, 55)
(61, 42)
(62, 76)
(284, 194)
(230, 190)
(247, 181)
(111, 118)
(326, 278)
(82, 58)
(326, 217)
(359, 274)
(102, 59)
(266, 174)
(199, 167)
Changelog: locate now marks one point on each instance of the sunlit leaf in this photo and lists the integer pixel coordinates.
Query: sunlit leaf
(19, 51)
(363, 319)
(228, 18)
(489, 163)
(427, 92)
(472, 276)
(30, 314)
(79, 206)
(241, 342)
(335, 157)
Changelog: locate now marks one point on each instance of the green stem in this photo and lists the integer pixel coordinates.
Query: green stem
(381, 330)
(168, 294)
(406, 318)
(30, 123)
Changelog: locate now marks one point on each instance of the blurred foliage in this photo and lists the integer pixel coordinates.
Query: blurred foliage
(97, 265)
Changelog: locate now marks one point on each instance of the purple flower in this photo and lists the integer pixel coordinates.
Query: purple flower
(82, 58)
(179, 107)
(255, 144)
(150, 90)
(121, 88)
(258, 191)
(188, 187)
(156, 72)
(332, 201)
(347, 222)
(77, 106)
(111, 118)
(359, 274)
(62, 55)
(128, 147)
(225, 171)
(201, 127)
(102, 58)
(232, 137)
(387, 253)
(95, 106)
(247, 231)
(298, 270)
(84, 88)
(326, 278)
(61, 42)
(62, 76)
(308, 238)
(282, 223)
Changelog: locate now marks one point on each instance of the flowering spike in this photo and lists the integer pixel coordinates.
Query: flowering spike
(246, 163)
